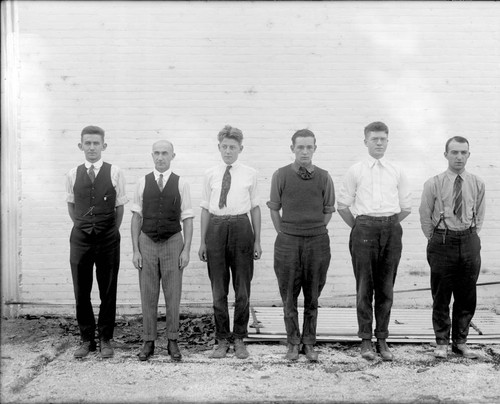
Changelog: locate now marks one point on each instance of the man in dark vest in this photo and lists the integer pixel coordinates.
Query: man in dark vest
(305, 195)
(161, 202)
(95, 196)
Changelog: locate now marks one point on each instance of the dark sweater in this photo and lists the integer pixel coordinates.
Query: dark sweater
(302, 202)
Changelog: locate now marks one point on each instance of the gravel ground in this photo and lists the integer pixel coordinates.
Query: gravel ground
(38, 367)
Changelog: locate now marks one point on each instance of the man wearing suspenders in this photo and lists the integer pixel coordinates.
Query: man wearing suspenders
(451, 215)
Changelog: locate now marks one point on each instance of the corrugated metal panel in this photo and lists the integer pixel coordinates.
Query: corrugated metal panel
(340, 324)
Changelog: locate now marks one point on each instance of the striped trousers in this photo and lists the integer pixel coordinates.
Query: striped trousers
(160, 263)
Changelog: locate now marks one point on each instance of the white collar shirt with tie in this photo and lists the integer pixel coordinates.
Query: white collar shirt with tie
(375, 187)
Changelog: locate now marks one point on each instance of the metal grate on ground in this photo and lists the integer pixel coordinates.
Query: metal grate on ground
(340, 324)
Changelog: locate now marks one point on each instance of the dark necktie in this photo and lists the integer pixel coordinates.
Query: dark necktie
(304, 174)
(226, 184)
(92, 173)
(457, 197)
(160, 182)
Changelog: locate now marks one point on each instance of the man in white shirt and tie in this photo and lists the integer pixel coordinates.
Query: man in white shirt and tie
(373, 200)
(230, 241)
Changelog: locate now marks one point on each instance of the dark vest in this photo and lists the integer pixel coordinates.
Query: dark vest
(302, 203)
(94, 203)
(161, 211)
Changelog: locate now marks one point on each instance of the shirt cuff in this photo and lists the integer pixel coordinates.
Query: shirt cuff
(328, 209)
(273, 205)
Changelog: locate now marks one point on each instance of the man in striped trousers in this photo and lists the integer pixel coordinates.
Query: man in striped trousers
(161, 203)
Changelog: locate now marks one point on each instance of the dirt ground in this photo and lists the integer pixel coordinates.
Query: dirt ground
(37, 366)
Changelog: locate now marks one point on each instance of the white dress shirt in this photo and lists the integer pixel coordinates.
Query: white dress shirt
(242, 196)
(186, 209)
(117, 179)
(375, 187)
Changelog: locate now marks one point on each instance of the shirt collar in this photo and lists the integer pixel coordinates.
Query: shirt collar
(296, 167)
(166, 174)
(372, 161)
(234, 165)
(452, 176)
(97, 164)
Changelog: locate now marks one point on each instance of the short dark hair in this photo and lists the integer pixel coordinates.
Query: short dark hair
(92, 130)
(458, 139)
(230, 133)
(376, 127)
(303, 133)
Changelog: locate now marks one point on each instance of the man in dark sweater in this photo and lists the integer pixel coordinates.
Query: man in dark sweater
(95, 195)
(161, 202)
(305, 195)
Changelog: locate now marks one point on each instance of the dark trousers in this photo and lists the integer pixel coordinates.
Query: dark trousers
(103, 251)
(301, 263)
(230, 244)
(455, 263)
(375, 246)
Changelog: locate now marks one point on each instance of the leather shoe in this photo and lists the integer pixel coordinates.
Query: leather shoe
(367, 350)
(293, 352)
(310, 353)
(441, 351)
(384, 351)
(221, 350)
(147, 350)
(173, 350)
(463, 349)
(240, 350)
(84, 349)
(106, 349)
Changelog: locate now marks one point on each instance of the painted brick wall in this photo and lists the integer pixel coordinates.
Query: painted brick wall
(151, 70)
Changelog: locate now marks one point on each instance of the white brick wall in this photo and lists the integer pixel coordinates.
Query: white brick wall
(150, 70)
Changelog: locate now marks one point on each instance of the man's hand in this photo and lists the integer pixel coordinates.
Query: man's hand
(183, 259)
(257, 250)
(202, 252)
(137, 260)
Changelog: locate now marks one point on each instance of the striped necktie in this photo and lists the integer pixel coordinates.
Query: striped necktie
(160, 182)
(92, 173)
(226, 184)
(457, 197)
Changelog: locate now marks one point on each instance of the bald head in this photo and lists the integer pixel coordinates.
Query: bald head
(163, 154)
(163, 143)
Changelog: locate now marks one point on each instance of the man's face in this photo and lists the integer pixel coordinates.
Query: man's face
(304, 149)
(376, 143)
(229, 150)
(457, 156)
(162, 154)
(92, 145)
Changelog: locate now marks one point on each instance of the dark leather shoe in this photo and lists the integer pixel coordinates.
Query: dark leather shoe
(384, 351)
(84, 349)
(463, 349)
(148, 349)
(173, 350)
(310, 353)
(367, 350)
(106, 349)
(293, 352)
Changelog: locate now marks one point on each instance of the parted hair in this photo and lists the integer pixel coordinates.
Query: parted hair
(230, 132)
(458, 139)
(92, 130)
(376, 127)
(303, 133)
